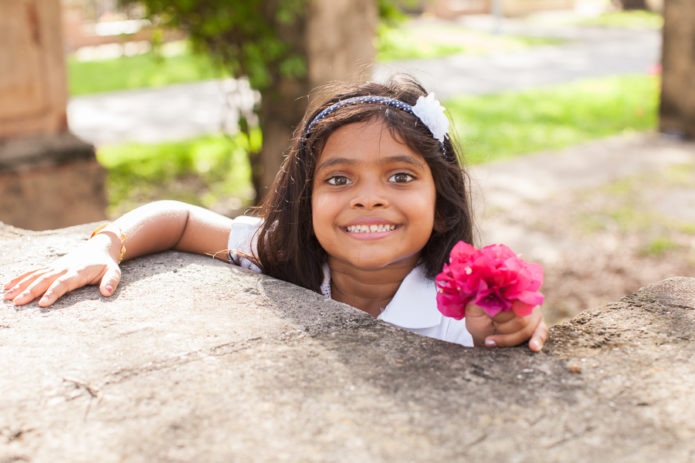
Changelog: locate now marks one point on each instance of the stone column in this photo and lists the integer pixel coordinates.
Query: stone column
(48, 178)
(677, 112)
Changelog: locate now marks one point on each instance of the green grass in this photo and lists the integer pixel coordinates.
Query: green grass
(200, 171)
(139, 71)
(629, 19)
(659, 246)
(493, 127)
(411, 40)
(155, 69)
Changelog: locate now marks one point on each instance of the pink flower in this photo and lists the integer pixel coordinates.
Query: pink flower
(493, 278)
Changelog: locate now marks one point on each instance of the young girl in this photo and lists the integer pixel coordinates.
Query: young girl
(369, 202)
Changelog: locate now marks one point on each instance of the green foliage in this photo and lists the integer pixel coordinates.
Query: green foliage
(254, 38)
(499, 126)
(200, 170)
(659, 246)
(151, 69)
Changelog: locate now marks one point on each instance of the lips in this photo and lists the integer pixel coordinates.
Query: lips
(371, 228)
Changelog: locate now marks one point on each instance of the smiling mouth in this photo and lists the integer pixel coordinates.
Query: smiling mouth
(370, 228)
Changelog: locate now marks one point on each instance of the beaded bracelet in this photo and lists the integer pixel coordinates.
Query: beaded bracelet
(122, 236)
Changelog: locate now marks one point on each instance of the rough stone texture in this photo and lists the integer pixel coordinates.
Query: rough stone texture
(50, 181)
(195, 360)
(677, 111)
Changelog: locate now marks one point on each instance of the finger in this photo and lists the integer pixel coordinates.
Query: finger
(531, 330)
(540, 335)
(14, 281)
(59, 287)
(110, 280)
(507, 340)
(35, 288)
(513, 325)
(21, 284)
(515, 331)
(503, 317)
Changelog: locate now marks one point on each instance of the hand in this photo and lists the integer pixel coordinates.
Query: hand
(506, 329)
(91, 264)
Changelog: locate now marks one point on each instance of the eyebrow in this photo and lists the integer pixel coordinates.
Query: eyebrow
(398, 158)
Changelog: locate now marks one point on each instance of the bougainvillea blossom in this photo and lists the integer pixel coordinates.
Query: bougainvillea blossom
(493, 277)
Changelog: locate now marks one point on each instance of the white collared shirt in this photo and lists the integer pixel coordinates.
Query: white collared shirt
(413, 307)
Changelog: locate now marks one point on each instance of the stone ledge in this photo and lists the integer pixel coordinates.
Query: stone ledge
(196, 360)
(50, 182)
(21, 153)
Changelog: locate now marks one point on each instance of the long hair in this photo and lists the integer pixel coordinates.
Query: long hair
(287, 246)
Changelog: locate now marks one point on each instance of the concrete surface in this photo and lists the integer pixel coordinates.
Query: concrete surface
(195, 360)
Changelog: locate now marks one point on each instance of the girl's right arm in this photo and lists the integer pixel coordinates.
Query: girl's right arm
(148, 229)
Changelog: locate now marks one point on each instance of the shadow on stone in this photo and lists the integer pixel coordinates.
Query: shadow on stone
(196, 360)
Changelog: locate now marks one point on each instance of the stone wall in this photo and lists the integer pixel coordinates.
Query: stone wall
(196, 360)
(50, 181)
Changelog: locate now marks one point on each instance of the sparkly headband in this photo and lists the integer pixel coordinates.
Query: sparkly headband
(427, 109)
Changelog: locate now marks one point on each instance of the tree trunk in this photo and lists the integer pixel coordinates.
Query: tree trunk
(633, 4)
(281, 109)
(677, 110)
(336, 38)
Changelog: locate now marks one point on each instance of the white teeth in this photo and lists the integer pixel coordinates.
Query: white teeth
(370, 228)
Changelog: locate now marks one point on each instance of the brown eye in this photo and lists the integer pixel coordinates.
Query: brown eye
(338, 180)
(401, 177)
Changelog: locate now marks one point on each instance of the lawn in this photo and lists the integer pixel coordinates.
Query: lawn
(212, 169)
(630, 19)
(494, 127)
(408, 40)
(151, 69)
(434, 39)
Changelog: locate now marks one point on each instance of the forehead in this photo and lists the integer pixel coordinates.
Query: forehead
(366, 141)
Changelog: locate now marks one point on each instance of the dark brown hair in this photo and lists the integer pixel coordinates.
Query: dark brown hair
(287, 246)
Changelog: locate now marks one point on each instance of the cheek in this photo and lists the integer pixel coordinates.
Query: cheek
(321, 213)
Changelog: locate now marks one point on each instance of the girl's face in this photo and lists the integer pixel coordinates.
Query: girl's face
(373, 200)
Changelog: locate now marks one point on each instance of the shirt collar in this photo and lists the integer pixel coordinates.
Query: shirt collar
(414, 305)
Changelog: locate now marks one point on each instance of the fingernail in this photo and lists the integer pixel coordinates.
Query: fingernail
(536, 344)
(109, 289)
(490, 343)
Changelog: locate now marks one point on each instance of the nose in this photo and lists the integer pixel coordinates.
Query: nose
(369, 197)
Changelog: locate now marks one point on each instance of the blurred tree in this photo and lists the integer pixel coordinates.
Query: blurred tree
(284, 47)
(632, 4)
(677, 110)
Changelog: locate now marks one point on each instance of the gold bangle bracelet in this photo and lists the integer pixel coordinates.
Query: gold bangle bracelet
(100, 229)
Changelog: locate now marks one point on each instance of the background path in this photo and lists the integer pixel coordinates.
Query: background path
(186, 110)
